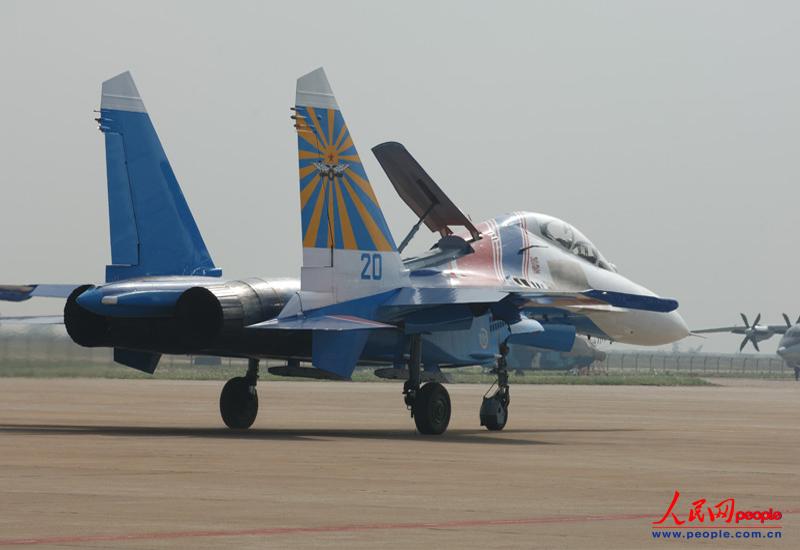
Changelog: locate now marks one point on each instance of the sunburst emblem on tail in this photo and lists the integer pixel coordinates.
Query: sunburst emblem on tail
(339, 208)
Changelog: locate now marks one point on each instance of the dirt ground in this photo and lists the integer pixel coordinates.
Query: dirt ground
(92, 463)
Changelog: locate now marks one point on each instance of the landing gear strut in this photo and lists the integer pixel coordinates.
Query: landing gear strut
(238, 402)
(494, 409)
(429, 404)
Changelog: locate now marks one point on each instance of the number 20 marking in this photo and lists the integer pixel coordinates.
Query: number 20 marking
(376, 262)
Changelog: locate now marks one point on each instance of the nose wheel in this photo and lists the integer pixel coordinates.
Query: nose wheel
(494, 408)
(238, 402)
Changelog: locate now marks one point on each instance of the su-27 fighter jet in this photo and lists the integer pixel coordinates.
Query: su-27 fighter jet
(520, 279)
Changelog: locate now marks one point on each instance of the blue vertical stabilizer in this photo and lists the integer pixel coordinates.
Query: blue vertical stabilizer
(152, 229)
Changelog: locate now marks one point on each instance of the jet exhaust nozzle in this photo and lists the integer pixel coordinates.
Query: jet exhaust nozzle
(205, 314)
(86, 329)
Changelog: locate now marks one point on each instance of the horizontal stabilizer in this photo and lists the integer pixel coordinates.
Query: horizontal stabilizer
(33, 320)
(20, 293)
(419, 191)
(323, 323)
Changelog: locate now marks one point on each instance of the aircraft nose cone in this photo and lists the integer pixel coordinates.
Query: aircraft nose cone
(678, 328)
(655, 329)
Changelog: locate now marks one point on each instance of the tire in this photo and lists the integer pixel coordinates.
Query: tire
(494, 414)
(432, 409)
(237, 404)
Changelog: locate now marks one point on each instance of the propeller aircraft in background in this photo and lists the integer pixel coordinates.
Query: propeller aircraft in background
(754, 333)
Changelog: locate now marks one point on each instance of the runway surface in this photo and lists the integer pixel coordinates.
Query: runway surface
(148, 464)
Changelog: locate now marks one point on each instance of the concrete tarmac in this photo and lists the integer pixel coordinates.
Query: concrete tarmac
(88, 463)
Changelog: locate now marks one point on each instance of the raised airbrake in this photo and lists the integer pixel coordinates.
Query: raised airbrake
(519, 279)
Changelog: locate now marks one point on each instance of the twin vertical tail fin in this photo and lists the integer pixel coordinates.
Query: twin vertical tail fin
(339, 207)
(348, 250)
(152, 229)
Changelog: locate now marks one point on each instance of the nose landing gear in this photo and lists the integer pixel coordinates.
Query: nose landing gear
(494, 408)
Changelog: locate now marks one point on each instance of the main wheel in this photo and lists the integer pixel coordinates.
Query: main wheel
(494, 414)
(432, 409)
(238, 403)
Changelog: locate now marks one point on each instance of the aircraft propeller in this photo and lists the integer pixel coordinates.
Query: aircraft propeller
(748, 338)
(749, 332)
(788, 322)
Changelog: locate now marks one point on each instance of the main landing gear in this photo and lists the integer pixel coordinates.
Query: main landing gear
(429, 404)
(494, 409)
(238, 402)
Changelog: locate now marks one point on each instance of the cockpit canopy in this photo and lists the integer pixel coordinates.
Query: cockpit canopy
(568, 238)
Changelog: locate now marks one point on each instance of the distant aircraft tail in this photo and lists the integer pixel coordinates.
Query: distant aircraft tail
(152, 229)
(348, 250)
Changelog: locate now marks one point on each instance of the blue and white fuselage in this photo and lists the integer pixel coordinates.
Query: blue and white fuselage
(521, 279)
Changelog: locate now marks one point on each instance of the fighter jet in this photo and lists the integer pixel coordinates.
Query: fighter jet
(522, 279)
(754, 333)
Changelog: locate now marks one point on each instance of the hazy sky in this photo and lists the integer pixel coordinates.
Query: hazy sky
(668, 132)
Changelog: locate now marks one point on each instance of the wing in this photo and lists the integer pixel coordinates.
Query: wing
(719, 329)
(336, 339)
(20, 293)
